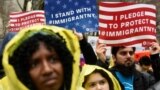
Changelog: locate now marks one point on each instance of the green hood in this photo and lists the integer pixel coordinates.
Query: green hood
(11, 82)
(88, 69)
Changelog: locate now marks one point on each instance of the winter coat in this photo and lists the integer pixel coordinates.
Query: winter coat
(11, 82)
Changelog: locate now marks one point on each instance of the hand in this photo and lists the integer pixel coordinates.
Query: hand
(79, 35)
(155, 48)
(101, 52)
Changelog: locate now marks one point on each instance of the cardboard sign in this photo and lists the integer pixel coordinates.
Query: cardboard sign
(126, 24)
(78, 14)
(20, 20)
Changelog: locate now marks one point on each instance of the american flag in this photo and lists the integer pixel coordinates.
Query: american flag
(78, 14)
(20, 20)
(126, 23)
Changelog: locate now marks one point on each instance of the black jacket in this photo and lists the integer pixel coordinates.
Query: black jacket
(88, 52)
(156, 65)
(155, 59)
(141, 82)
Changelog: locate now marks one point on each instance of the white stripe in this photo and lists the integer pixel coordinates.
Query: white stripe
(105, 17)
(13, 20)
(39, 15)
(135, 6)
(150, 14)
(102, 25)
(127, 39)
(27, 13)
(136, 45)
(153, 22)
(42, 20)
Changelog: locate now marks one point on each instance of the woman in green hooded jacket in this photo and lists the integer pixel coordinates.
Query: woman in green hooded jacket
(93, 77)
(41, 58)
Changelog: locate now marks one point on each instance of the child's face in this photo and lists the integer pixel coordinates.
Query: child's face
(96, 82)
(46, 69)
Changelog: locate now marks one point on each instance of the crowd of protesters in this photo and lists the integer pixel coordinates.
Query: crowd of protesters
(124, 68)
(48, 58)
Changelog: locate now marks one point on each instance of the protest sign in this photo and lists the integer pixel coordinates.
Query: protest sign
(78, 14)
(126, 24)
(20, 20)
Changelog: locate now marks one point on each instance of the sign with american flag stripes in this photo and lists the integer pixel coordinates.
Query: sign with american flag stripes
(79, 14)
(126, 23)
(20, 20)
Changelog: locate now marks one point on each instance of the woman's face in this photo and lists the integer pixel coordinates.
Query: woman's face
(46, 69)
(96, 82)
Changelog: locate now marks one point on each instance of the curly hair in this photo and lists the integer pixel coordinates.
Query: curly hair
(21, 56)
(103, 74)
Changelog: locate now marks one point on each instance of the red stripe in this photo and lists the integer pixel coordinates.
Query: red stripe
(115, 4)
(126, 11)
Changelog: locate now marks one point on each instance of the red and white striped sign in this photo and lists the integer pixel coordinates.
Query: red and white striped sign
(20, 20)
(126, 24)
